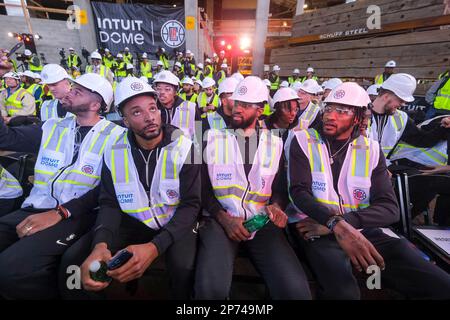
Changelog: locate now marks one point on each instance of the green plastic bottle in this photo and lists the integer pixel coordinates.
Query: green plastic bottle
(256, 222)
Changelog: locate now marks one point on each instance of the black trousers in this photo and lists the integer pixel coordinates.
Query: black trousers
(180, 259)
(406, 271)
(7, 206)
(269, 251)
(28, 266)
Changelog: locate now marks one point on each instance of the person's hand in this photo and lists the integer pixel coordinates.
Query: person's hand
(310, 228)
(100, 253)
(276, 215)
(6, 120)
(37, 222)
(361, 252)
(445, 122)
(233, 226)
(436, 170)
(143, 256)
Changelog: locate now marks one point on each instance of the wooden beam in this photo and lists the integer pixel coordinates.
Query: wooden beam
(389, 28)
(44, 9)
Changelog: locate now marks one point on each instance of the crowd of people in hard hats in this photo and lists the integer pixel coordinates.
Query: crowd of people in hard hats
(194, 164)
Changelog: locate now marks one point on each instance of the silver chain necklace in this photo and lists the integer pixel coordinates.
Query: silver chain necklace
(331, 156)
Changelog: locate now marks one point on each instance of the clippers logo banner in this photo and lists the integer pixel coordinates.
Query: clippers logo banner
(142, 28)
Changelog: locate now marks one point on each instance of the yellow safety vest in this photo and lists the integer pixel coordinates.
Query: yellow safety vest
(192, 99)
(146, 70)
(442, 100)
(204, 101)
(120, 70)
(379, 79)
(72, 61)
(9, 186)
(165, 62)
(13, 103)
(128, 58)
(276, 84)
(34, 68)
(108, 61)
(211, 71)
(90, 68)
(291, 79)
(223, 75)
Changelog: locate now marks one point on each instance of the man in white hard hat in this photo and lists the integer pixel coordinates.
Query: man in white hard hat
(176, 111)
(222, 74)
(188, 93)
(295, 76)
(389, 70)
(284, 84)
(219, 61)
(197, 86)
(73, 60)
(178, 70)
(58, 210)
(338, 179)
(15, 100)
(221, 117)
(157, 164)
(310, 74)
(199, 74)
(228, 174)
(120, 68)
(372, 91)
(209, 69)
(274, 79)
(33, 88)
(57, 80)
(97, 67)
(32, 62)
(127, 56)
(207, 100)
(309, 106)
(389, 125)
(330, 85)
(163, 57)
(130, 70)
(438, 96)
(189, 64)
(108, 59)
(145, 67)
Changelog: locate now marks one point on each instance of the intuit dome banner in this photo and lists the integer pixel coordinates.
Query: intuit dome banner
(142, 28)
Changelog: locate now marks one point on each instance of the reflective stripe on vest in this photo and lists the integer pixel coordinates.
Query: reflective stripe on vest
(379, 79)
(193, 98)
(184, 118)
(238, 195)
(442, 100)
(223, 75)
(73, 61)
(308, 116)
(13, 103)
(90, 68)
(146, 70)
(49, 109)
(426, 156)
(276, 84)
(165, 187)
(9, 186)
(205, 100)
(215, 120)
(355, 178)
(211, 71)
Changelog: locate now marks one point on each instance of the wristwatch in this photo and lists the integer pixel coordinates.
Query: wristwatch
(331, 223)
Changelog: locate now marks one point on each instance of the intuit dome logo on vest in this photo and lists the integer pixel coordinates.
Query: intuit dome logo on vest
(139, 26)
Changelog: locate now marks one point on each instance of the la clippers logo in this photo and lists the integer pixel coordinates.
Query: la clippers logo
(173, 33)
(359, 194)
(339, 94)
(172, 194)
(136, 86)
(242, 90)
(87, 169)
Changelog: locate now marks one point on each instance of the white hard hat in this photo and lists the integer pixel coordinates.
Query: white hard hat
(310, 69)
(402, 85)
(188, 52)
(373, 89)
(37, 75)
(296, 71)
(228, 85)
(144, 55)
(143, 78)
(159, 63)
(238, 76)
(284, 94)
(200, 65)
(251, 90)
(223, 65)
(119, 55)
(11, 74)
(178, 64)
(130, 87)
(71, 49)
(284, 84)
(95, 55)
(297, 85)
(127, 49)
(214, 54)
(332, 83)
(391, 64)
(207, 60)
(267, 82)
(199, 82)
(208, 82)
(106, 50)
(27, 52)
(166, 76)
(349, 93)
(221, 51)
(28, 73)
(53, 73)
(311, 86)
(19, 73)
(163, 50)
(97, 84)
(276, 68)
(129, 66)
(187, 80)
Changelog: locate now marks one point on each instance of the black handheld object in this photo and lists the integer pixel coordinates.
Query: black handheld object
(119, 259)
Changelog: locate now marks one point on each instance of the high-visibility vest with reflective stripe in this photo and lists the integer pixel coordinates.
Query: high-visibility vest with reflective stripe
(308, 116)
(203, 100)
(72, 61)
(215, 120)
(354, 179)
(49, 109)
(55, 177)
(276, 84)
(121, 70)
(128, 58)
(392, 132)
(379, 79)
(240, 196)
(165, 62)
(211, 71)
(32, 90)
(192, 99)
(305, 78)
(267, 111)
(184, 118)
(291, 79)
(165, 187)
(146, 70)
(199, 75)
(13, 103)
(442, 100)
(108, 62)
(223, 75)
(9, 186)
(33, 67)
(102, 72)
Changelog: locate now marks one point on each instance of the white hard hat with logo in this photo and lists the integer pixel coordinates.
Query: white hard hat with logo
(187, 80)
(390, 64)
(402, 85)
(228, 85)
(331, 84)
(200, 65)
(208, 82)
(53, 73)
(284, 94)
(251, 90)
(27, 52)
(310, 69)
(238, 76)
(350, 94)
(311, 86)
(12, 75)
(296, 71)
(373, 89)
(97, 84)
(276, 68)
(168, 77)
(130, 87)
(96, 55)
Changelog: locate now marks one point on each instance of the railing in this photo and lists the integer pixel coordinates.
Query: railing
(242, 26)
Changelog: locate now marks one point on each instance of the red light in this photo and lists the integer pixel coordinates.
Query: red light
(19, 38)
(27, 39)
(229, 47)
(222, 43)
